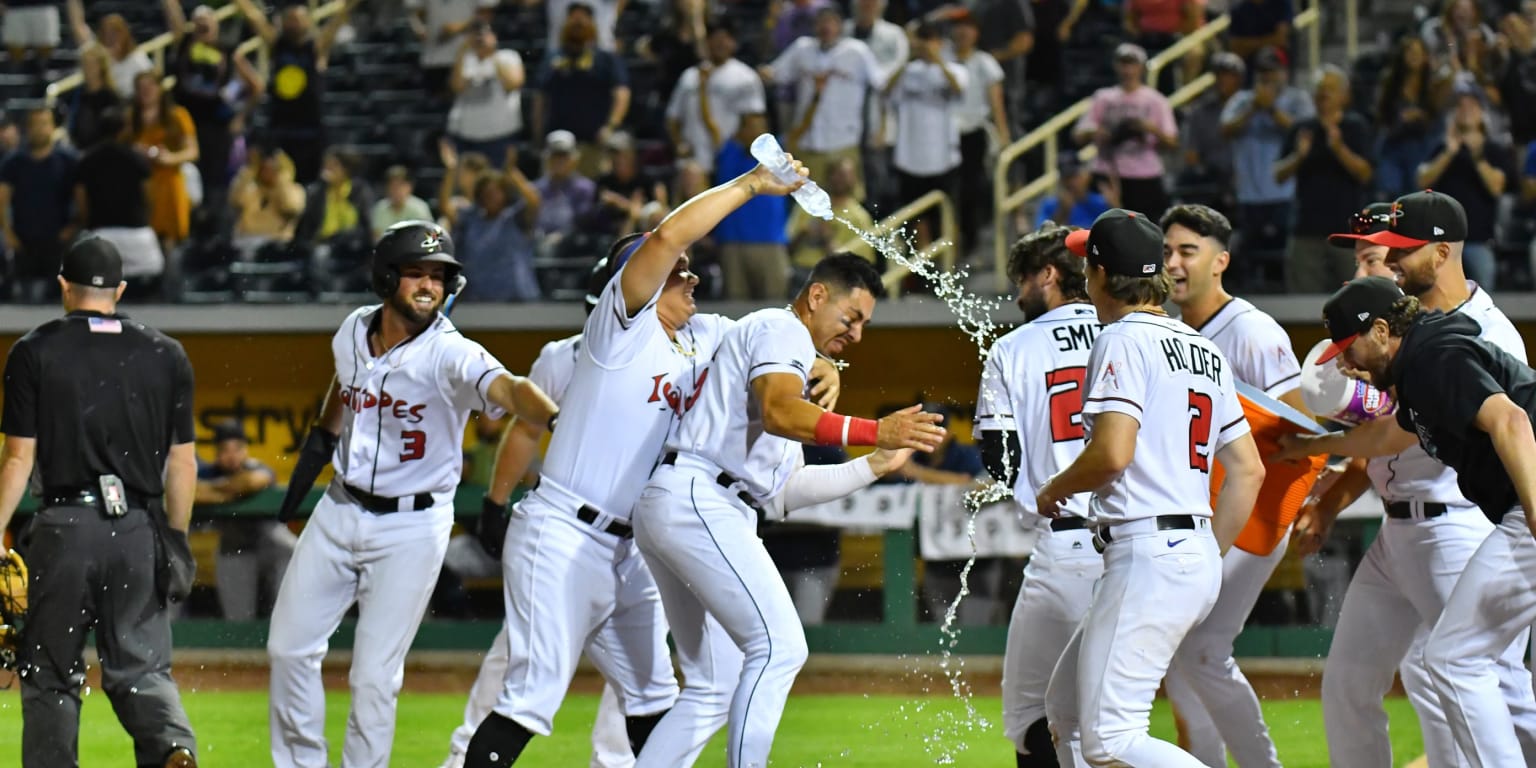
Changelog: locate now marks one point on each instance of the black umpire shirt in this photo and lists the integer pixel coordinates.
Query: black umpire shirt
(103, 395)
(1443, 374)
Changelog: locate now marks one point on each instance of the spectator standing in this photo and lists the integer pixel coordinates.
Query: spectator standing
(605, 18)
(793, 20)
(1328, 156)
(30, 25)
(252, 551)
(398, 204)
(493, 236)
(566, 196)
(888, 42)
(678, 44)
(1007, 31)
(1130, 122)
(1405, 108)
(297, 76)
(1474, 168)
(1517, 80)
(125, 62)
(266, 199)
(1257, 25)
(337, 206)
(487, 84)
(111, 186)
(831, 76)
(1207, 150)
(1460, 45)
(37, 182)
(1077, 203)
(206, 73)
(983, 119)
(1045, 70)
(584, 90)
(440, 26)
(753, 241)
(811, 239)
(1257, 123)
(1157, 24)
(92, 99)
(718, 90)
(622, 192)
(165, 134)
(926, 94)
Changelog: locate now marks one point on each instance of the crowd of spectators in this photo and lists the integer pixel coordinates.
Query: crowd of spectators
(538, 130)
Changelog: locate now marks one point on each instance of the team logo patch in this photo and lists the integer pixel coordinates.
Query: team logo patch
(1111, 380)
(431, 242)
(1147, 269)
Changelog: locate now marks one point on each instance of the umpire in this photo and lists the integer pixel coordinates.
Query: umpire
(103, 406)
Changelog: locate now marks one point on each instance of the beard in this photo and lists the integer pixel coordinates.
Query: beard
(1417, 282)
(1032, 304)
(413, 315)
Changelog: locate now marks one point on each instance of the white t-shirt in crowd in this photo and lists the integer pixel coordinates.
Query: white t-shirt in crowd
(927, 133)
(852, 71)
(975, 110)
(437, 13)
(486, 110)
(734, 90)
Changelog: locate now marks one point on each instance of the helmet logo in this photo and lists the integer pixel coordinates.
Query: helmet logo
(431, 242)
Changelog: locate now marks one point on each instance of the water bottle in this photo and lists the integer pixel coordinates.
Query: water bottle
(767, 151)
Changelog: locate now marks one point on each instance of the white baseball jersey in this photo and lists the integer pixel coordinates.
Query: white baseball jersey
(1257, 347)
(555, 365)
(630, 381)
(404, 412)
(1033, 385)
(1412, 474)
(726, 425)
(1178, 385)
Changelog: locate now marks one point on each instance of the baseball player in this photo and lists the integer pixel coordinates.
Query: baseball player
(696, 521)
(1030, 418)
(1209, 691)
(1479, 422)
(406, 382)
(573, 578)
(1161, 405)
(1431, 529)
(552, 372)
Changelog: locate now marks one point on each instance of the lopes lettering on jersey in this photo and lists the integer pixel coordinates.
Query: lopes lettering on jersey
(1258, 349)
(611, 429)
(1179, 388)
(1034, 387)
(1414, 474)
(725, 426)
(404, 411)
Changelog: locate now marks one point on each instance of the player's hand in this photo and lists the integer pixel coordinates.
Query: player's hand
(491, 529)
(1048, 502)
(911, 427)
(826, 383)
(884, 462)
(1293, 448)
(1310, 531)
(763, 182)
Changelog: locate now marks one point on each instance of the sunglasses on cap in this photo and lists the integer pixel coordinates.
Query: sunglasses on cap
(1365, 222)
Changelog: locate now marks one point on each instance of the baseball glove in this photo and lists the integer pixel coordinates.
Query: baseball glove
(13, 606)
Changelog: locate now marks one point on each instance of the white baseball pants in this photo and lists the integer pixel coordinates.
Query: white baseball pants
(388, 565)
(702, 545)
(570, 587)
(1492, 605)
(1398, 592)
(1058, 585)
(1208, 690)
(1157, 585)
(610, 735)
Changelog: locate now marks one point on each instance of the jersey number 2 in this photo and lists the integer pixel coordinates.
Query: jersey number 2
(413, 445)
(1199, 431)
(1066, 388)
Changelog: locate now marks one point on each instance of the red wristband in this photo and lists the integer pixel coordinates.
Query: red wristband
(829, 429)
(863, 432)
(837, 429)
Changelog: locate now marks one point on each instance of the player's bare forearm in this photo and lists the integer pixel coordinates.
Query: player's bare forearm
(180, 485)
(1351, 485)
(1103, 459)
(1239, 491)
(1509, 428)
(648, 268)
(1294, 399)
(16, 460)
(514, 455)
(1381, 437)
(519, 396)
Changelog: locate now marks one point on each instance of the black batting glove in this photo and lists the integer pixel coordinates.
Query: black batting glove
(319, 446)
(492, 527)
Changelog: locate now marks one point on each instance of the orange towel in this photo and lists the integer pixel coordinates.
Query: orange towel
(1286, 484)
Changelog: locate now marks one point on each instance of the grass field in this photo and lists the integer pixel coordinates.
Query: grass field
(818, 730)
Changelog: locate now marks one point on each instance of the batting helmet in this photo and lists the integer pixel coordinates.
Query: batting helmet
(603, 271)
(410, 242)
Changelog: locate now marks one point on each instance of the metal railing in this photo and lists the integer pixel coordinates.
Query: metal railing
(155, 48)
(1050, 134)
(941, 251)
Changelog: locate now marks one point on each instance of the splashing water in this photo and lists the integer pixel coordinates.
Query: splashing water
(974, 316)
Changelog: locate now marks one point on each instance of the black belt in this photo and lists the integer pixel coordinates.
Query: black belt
(1403, 510)
(384, 505)
(1072, 523)
(87, 497)
(619, 528)
(724, 480)
(1164, 523)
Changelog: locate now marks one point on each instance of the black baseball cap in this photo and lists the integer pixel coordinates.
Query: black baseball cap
(1417, 219)
(1122, 242)
(1376, 217)
(1352, 309)
(92, 261)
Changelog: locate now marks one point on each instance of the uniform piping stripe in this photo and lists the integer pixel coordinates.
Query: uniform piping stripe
(378, 438)
(1233, 423)
(1295, 375)
(1115, 399)
(481, 392)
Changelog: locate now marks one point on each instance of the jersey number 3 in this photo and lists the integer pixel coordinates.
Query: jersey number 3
(413, 445)
(1199, 431)
(1066, 388)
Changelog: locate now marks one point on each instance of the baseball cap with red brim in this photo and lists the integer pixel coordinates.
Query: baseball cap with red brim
(1350, 311)
(1418, 219)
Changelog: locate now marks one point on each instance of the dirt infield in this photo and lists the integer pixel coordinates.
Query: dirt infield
(435, 672)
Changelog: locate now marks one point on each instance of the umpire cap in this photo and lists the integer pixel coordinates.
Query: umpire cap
(410, 242)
